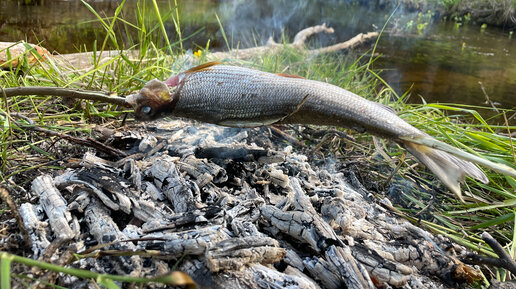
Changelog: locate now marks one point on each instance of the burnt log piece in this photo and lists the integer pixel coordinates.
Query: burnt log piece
(303, 222)
(111, 190)
(36, 229)
(179, 191)
(323, 272)
(352, 272)
(187, 220)
(102, 227)
(192, 242)
(238, 154)
(113, 187)
(244, 228)
(203, 171)
(383, 268)
(71, 178)
(260, 276)
(248, 207)
(306, 225)
(236, 253)
(64, 225)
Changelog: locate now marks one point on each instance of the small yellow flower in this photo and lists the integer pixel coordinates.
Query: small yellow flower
(198, 53)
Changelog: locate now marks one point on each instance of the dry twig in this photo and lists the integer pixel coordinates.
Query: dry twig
(504, 260)
(88, 141)
(6, 198)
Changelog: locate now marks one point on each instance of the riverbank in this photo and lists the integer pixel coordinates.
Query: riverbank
(500, 13)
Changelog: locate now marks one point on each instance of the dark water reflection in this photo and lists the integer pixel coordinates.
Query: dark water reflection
(440, 62)
(448, 63)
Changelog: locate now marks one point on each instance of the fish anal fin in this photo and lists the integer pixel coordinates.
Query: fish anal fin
(203, 66)
(249, 123)
(289, 75)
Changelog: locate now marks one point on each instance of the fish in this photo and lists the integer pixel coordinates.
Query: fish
(237, 96)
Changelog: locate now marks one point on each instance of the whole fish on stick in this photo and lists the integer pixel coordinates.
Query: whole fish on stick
(242, 97)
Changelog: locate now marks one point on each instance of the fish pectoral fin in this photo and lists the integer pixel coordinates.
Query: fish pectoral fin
(248, 123)
(298, 107)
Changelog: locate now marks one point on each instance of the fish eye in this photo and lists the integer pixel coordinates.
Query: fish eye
(146, 110)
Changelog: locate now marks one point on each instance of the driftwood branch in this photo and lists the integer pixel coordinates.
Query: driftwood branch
(64, 225)
(302, 35)
(298, 43)
(353, 42)
(84, 60)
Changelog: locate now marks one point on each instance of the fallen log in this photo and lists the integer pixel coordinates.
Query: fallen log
(13, 54)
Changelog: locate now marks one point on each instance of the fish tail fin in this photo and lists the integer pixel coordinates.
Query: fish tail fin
(450, 169)
(439, 145)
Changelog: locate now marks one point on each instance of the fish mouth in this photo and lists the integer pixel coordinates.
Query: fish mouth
(153, 90)
(132, 99)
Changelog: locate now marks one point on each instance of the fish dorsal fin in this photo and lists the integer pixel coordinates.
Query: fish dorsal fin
(202, 66)
(289, 75)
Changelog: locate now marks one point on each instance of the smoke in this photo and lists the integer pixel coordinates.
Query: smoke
(252, 22)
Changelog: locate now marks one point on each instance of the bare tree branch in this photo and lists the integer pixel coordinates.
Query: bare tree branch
(353, 42)
(302, 35)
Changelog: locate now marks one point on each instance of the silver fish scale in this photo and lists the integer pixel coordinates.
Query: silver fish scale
(245, 97)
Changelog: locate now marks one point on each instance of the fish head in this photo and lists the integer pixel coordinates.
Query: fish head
(153, 101)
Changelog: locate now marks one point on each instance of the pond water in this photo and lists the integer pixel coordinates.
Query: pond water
(438, 60)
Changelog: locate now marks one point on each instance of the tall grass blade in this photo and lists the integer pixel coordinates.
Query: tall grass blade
(223, 32)
(5, 270)
(162, 26)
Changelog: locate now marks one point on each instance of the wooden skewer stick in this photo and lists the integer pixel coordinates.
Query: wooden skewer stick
(63, 92)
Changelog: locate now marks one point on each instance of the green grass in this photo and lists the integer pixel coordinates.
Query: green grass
(121, 74)
(25, 153)
(488, 207)
(175, 278)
